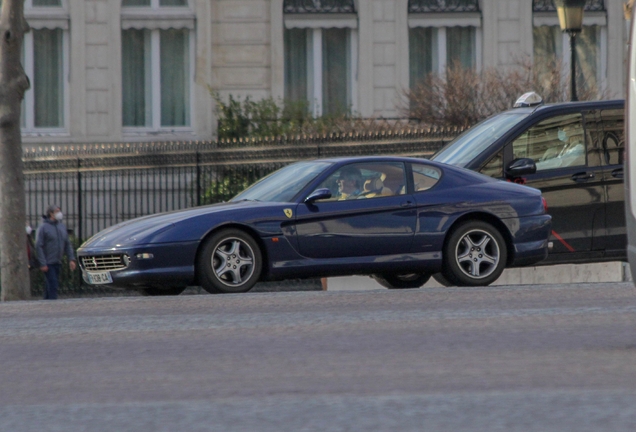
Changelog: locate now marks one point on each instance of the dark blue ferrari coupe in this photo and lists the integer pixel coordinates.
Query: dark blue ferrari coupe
(398, 219)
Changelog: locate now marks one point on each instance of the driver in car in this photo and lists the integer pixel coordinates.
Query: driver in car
(570, 150)
(349, 183)
(573, 152)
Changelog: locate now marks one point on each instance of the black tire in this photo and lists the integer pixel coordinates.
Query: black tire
(154, 291)
(442, 280)
(242, 258)
(402, 281)
(474, 255)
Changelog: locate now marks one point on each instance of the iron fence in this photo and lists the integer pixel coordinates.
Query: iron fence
(99, 185)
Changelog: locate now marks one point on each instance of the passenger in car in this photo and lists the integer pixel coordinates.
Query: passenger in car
(375, 187)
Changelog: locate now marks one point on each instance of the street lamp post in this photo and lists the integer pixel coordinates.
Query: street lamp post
(571, 21)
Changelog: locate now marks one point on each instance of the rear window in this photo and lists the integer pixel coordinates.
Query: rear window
(425, 177)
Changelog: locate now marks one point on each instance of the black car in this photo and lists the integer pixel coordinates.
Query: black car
(573, 153)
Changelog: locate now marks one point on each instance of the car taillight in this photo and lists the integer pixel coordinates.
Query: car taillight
(545, 205)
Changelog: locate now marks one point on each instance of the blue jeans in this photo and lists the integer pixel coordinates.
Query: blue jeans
(52, 281)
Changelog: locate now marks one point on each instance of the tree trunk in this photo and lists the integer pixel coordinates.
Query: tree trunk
(13, 83)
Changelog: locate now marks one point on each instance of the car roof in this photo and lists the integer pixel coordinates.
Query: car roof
(555, 107)
(362, 159)
(342, 159)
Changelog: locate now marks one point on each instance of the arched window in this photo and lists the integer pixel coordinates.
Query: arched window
(321, 54)
(45, 60)
(443, 33)
(157, 71)
(551, 45)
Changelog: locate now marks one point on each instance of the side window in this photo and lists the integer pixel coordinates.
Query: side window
(557, 142)
(494, 167)
(366, 180)
(425, 177)
(613, 138)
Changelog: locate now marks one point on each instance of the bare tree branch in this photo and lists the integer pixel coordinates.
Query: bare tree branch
(462, 96)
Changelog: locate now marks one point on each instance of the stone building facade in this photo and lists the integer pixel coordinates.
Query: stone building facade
(142, 70)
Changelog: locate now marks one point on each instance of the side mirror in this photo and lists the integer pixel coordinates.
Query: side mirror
(318, 194)
(519, 167)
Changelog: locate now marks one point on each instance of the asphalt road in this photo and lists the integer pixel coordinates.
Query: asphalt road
(522, 358)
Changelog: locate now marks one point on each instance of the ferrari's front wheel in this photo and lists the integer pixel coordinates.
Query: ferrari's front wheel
(402, 281)
(474, 255)
(230, 262)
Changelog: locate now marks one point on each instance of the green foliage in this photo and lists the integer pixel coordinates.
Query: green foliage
(263, 118)
(233, 119)
(224, 187)
(225, 183)
(271, 118)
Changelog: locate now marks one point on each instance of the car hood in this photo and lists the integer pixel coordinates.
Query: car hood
(153, 228)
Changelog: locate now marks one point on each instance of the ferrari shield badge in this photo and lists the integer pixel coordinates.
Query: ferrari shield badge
(288, 213)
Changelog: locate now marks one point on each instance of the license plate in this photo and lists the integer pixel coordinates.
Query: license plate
(98, 278)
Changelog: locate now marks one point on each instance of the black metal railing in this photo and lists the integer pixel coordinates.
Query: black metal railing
(318, 6)
(99, 185)
(548, 6)
(428, 6)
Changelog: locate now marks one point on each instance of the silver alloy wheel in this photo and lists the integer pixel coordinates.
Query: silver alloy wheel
(477, 254)
(233, 262)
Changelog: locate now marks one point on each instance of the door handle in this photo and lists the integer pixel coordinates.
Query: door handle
(583, 177)
(406, 204)
(618, 173)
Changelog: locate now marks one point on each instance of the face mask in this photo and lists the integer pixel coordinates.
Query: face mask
(562, 135)
(59, 216)
(29, 230)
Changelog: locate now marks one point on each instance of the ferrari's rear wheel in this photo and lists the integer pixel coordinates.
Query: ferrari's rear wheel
(474, 255)
(154, 291)
(230, 262)
(402, 281)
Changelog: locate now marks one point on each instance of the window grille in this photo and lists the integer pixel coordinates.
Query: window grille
(548, 5)
(427, 6)
(318, 6)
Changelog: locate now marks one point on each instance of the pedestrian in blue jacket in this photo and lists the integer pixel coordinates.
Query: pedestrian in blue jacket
(51, 244)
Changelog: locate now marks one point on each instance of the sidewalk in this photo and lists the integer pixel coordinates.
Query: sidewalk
(568, 273)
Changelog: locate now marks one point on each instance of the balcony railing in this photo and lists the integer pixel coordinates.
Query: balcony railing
(548, 5)
(428, 6)
(318, 6)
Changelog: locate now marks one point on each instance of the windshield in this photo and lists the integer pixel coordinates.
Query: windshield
(475, 140)
(283, 185)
